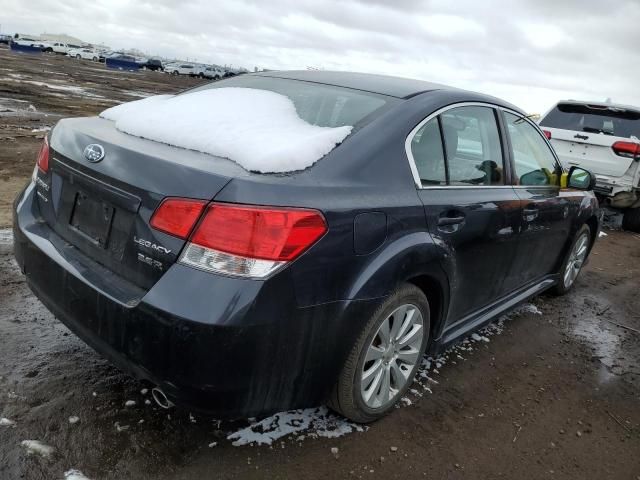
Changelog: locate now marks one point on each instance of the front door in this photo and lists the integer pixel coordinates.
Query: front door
(545, 212)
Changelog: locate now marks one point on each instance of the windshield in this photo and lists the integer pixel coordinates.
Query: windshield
(317, 104)
(619, 122)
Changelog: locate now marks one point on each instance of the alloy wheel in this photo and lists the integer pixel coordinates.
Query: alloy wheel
(391, 357)
(576, 260)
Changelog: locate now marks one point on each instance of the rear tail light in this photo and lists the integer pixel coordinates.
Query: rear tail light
(177, 216)
(627, 149)
(43, 156)
(250, 241)
(547, 134)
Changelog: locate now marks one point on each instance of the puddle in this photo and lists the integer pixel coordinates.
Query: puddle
(605, 344)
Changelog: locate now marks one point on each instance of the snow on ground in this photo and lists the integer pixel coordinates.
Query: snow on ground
(38, 448)
(74, 475)
(6, 236)
(258, 129)
(5, 422)
(314, 422)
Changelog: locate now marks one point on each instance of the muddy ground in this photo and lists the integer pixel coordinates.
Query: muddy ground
(552, 393)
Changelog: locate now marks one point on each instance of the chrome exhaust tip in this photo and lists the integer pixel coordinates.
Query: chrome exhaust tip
(161, 399)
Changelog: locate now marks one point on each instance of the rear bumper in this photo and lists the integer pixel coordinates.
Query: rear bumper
(230, 347)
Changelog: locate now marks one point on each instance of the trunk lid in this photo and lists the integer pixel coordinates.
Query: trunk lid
(103, 208)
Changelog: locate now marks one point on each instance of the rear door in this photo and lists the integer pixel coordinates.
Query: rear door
(469, 205)
(586, 135)
(545, 212)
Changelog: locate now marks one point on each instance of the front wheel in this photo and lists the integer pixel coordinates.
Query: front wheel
(78, 57)
(382, 364)
(574, 261)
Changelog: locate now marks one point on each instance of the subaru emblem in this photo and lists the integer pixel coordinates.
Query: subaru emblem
(94, 152)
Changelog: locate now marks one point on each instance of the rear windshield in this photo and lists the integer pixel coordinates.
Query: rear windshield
(317, 104)
(615, 121)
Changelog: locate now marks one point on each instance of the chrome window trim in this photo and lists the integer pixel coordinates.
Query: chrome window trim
(412, 133)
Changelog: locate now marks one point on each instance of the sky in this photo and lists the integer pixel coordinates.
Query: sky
(528, 52)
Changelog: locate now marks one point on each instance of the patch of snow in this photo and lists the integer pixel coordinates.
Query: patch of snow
(138, 94)
(37, 447)
(213, 444)
(73, 419)
(144, 391)
(602, 234)
(5, 422)
(258, 129)
(40, 129)
(74, 475)
(130, 403)
(316, 422)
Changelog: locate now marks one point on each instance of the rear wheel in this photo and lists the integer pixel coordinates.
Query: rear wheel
(574, 261)
(383, 362)
(78, 57)
(95, 59)
(631, 220)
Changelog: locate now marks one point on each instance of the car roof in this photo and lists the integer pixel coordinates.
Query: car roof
(381, 84)
(616, 106)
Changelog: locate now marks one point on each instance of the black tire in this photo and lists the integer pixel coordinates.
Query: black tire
(175, 72)
(631, 220)
(79, 57)
(561, 288)
(95, 59)
(346, 397)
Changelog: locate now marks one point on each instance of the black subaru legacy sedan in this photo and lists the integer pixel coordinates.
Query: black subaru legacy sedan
(242, 293)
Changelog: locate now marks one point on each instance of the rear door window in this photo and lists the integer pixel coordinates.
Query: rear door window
(607, 120)
(534, 162)
(472, 146)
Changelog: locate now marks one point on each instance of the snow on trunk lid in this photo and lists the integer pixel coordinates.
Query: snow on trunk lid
(258, 129)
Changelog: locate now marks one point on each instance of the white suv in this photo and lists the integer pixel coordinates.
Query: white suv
(84, 53)
(605, 139)
(181, 69)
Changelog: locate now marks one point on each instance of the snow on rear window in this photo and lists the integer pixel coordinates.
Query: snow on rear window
(258, 129)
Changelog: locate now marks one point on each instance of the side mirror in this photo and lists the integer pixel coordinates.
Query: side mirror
(581, 179)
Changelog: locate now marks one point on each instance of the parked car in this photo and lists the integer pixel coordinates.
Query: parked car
(214, 73)
(181, 69)
(6, 39)
(244, 293)
(122, 62)
(604, 138)
(154, 64)
(61, 48)
(84, 53)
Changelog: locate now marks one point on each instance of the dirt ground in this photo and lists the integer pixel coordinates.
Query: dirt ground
(554, 392)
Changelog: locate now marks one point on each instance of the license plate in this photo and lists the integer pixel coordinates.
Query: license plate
(92, 218)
